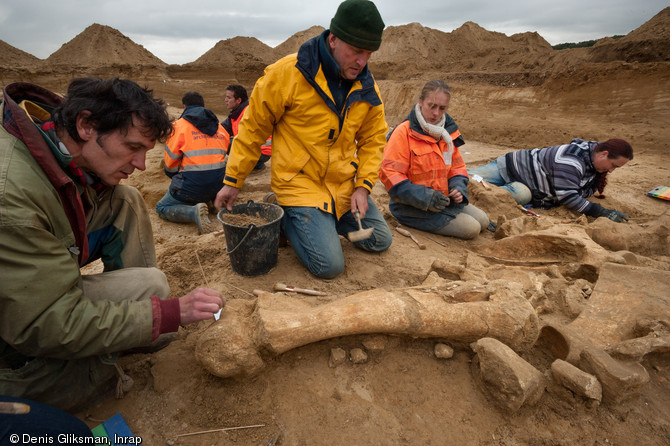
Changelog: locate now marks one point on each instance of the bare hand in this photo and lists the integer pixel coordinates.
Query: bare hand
(455, 196)
(226, 197)
(359, 201)
(199, 305)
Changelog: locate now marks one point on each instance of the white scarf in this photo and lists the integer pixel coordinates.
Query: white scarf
(437, 131)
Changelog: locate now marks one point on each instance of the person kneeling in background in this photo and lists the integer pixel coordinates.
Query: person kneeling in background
(195, 160)
(424, 173)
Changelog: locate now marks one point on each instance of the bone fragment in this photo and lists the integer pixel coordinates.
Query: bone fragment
(507, 378)
(443, 351)
(620, 380)
(337, 357)
(578, 381)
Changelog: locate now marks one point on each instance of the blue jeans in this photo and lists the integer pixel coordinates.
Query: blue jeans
(491, 174)
(314, 236)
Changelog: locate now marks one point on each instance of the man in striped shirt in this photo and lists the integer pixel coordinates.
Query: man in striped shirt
(562, 175)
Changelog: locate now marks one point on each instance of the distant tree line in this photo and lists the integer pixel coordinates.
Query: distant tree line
(584, 44)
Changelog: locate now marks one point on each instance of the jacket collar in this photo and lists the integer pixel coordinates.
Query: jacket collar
(414, 125)
(237, 111)
(310, 62)
(202, 118)
(17, 122)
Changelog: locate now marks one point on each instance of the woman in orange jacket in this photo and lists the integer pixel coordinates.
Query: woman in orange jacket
(424, 173)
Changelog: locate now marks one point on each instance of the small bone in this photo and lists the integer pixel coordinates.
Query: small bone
(291, 289)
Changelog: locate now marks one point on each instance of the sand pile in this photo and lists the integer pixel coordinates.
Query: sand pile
(10, 55)
(411, 50)
(648, 43)
(242, 52)
(100, 45)
(407, 47)
(292, 44)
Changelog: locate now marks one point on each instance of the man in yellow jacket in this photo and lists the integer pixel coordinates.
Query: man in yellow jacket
(326, 117)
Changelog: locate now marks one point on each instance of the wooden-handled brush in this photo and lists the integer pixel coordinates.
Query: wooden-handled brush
(406, 233)
(283, 287)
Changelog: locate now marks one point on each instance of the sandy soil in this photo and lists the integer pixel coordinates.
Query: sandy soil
(508, 93)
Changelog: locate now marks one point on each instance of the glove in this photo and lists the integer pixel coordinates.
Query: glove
(613, 215)
(438, 202)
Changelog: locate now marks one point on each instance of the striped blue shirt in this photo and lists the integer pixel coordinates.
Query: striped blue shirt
(558, 175)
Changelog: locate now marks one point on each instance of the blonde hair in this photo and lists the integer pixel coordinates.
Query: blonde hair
(434, 85)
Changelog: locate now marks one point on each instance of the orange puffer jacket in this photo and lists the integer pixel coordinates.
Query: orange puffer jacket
(410, 155)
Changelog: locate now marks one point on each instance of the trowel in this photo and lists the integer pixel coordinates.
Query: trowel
(361, 234)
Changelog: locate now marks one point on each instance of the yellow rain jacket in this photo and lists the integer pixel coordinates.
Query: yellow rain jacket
(319, 154)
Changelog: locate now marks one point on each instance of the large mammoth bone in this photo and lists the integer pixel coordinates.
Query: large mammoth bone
(247, 331)
(627, 315)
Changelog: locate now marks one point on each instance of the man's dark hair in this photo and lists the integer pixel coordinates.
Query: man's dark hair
(239, 91)
(193, 98)
(113, 103)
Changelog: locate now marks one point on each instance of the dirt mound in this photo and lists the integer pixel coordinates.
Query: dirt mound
(239, 51)
(656, 28)
(405, 48)
(412, 50)
(532, 41)
(483, 50)
(240, 60)
(100, 45)
(12, 56)
(475, 38)
(292, 44)
(648, 43)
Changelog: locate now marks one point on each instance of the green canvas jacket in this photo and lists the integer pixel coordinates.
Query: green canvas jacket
(43, 310)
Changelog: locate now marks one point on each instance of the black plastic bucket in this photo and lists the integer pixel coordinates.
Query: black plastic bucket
(253, 250)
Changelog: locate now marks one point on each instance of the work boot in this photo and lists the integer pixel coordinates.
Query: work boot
(202, 218)
(185, 213)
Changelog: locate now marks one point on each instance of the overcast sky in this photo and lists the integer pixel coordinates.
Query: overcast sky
(180, 31)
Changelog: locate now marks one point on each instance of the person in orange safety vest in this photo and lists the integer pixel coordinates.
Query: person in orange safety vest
(424, 173)
(194, 157)
(237, 101)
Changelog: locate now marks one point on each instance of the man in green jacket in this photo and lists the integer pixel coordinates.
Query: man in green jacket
(324, 111)
(61, 207)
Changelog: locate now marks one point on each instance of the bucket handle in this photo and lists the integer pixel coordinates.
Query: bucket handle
(251, 226)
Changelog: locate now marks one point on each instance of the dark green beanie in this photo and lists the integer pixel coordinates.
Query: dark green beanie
(358, 23)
